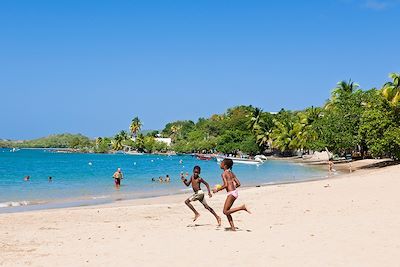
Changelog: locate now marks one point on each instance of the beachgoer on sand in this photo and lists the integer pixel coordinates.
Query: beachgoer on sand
(198, 195)
(330, 165)
(230, 183)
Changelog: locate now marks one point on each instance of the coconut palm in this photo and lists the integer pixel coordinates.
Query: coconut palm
(117, 142)
(284, 136)
(263, 136)
(391, 90)
(255, 120)
(124, 135)
(139, 142)
(98, 141)
(342, 89)
(135, 126)
(175, 129)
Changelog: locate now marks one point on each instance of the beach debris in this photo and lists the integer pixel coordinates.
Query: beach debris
(328, 185)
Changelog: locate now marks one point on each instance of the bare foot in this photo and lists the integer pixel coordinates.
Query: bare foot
(196, 216)
(246, 209)
(219, 221)
(233, 229)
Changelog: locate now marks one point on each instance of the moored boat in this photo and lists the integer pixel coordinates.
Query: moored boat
(256, 161)
(204, 157)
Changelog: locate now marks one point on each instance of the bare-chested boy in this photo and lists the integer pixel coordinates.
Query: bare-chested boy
(196, 180)
(231, 183)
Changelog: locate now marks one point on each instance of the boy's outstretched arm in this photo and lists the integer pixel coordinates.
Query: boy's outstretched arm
(208, 187)
(185, 181)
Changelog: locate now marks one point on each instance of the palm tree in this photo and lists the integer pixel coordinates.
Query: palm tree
(175, 129)
(135, 126)
(391, 90)
(263, 136)
(117, 142)
(98, 141)
(342, 88)
(124, 135)
(139, 142)
(255, 120)
(284, 136)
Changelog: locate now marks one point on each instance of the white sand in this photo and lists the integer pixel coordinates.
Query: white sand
(350, 221)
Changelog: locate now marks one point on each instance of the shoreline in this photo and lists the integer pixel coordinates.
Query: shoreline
(350, 220)
(96, 201)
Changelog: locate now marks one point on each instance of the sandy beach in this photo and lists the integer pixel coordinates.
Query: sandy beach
(351, 220)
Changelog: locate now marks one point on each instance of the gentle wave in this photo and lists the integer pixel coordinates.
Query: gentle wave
(100, 197)
(14, 204)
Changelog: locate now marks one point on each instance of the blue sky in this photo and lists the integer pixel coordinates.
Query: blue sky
(90, 66)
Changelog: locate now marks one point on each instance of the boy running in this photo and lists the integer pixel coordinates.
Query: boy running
(196, 180)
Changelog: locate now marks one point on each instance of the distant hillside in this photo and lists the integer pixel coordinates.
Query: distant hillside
(53, 141)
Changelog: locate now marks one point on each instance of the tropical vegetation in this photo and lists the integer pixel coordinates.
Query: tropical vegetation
(353, 120)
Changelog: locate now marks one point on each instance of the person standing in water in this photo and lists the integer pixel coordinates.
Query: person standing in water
(118, 176)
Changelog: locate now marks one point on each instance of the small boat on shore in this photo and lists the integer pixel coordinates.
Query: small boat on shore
(204, 157)
(256, 161)
(132, 152)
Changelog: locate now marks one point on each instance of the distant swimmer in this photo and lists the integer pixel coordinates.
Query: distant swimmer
(181, 161)
(27, 178)
(50, 178)
(153, 179)
(118, 176)
(167, 179)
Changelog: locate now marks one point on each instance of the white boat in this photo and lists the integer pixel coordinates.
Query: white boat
(131, 152)
(255, 161)
(260, 157)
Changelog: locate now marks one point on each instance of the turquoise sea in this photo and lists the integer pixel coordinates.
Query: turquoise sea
(86, 179)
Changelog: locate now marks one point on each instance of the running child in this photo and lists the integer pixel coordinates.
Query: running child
(196, 181)
(231, 183)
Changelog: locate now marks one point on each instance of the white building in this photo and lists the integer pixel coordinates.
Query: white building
(167, 141)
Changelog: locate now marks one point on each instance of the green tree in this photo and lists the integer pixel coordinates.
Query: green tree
(117, 142)
(391, 90)
(135, 126)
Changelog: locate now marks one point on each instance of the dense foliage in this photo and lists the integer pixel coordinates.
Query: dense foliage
(352, 120)
(76, 141)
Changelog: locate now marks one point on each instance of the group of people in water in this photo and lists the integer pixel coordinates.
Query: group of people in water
(161, 179)
(28, 178)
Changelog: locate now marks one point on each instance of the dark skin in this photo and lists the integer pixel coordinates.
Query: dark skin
(196, 181)
(231, 182)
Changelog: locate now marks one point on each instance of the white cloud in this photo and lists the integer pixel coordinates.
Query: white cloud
(377, 5)
(373, 4)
